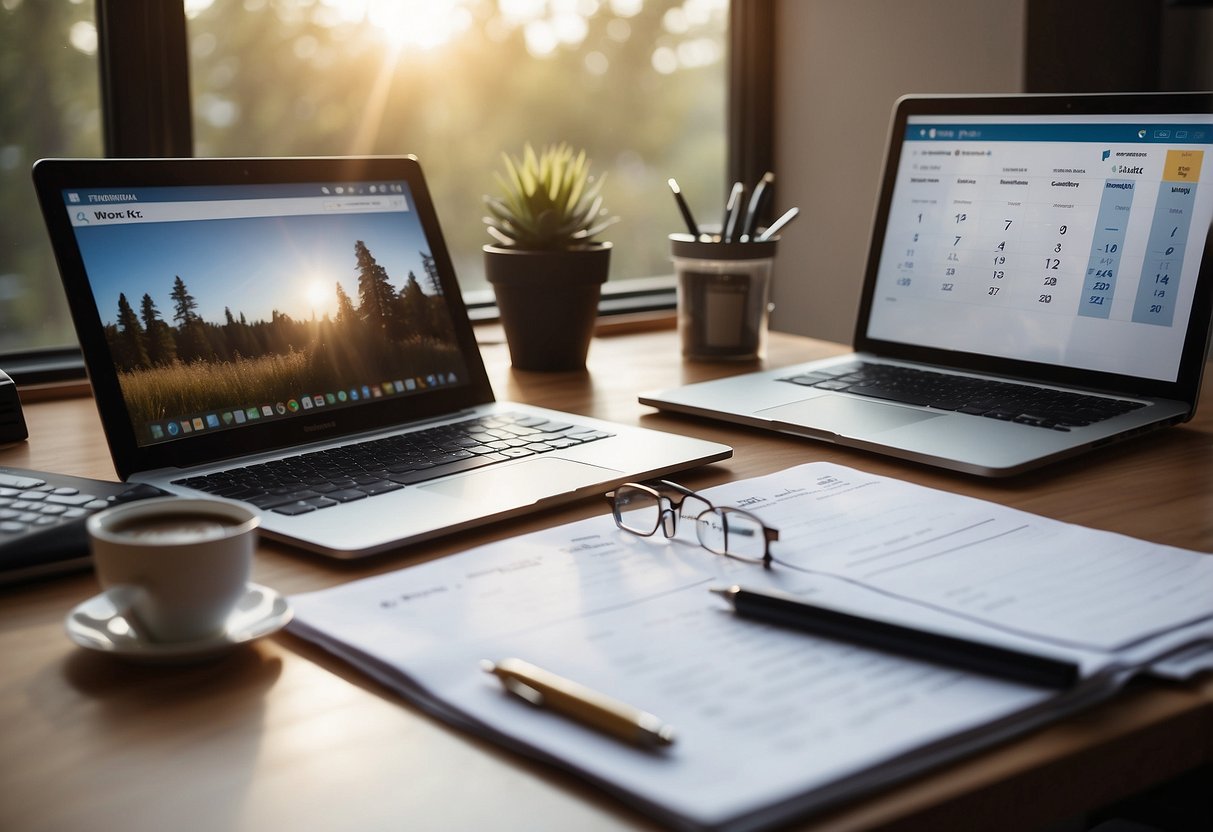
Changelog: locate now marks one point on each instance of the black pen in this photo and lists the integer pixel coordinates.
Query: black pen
(757, 199)
(960, 653)
(774, 227)
(732, 212)
(685, 210)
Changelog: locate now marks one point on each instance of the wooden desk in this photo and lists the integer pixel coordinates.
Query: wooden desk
(280, 736)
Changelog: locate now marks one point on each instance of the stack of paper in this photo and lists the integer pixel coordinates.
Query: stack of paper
(772, 723)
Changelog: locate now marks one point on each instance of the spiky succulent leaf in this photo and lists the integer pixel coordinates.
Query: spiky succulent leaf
(549, 200)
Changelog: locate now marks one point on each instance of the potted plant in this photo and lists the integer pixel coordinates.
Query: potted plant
(546, 268)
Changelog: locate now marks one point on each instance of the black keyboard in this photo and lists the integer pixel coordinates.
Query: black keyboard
(42, 519)
(322, 479)
(1041, 407)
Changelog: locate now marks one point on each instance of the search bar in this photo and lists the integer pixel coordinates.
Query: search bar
(144, 212)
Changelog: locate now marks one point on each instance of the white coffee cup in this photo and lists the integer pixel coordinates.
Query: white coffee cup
(178, 566)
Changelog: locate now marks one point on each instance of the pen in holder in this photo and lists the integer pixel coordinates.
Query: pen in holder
(723, 296)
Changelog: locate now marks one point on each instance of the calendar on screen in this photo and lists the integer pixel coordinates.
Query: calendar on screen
(1067, 240)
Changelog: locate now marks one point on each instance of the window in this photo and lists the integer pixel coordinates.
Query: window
(640, 85)
(49, 106)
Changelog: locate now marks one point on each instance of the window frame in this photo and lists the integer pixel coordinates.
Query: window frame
(146, 110)
(145, 40)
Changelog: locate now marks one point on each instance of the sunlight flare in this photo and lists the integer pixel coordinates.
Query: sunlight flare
(404, 24)
(319, 296)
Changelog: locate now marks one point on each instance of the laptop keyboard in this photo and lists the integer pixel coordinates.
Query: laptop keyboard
(322, 479)
(1023, 403)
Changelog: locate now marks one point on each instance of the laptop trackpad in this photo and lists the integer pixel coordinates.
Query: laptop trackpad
(536, 478)
(844, 415)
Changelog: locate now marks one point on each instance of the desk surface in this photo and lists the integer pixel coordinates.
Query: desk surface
(279, 735)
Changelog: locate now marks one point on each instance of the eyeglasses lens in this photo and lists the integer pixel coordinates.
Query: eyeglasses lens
(733, 533)
(689, 511)
(637, 510)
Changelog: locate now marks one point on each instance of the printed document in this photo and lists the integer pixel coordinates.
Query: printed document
(770, 722)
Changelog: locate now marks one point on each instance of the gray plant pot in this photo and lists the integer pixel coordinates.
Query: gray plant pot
(548, 302)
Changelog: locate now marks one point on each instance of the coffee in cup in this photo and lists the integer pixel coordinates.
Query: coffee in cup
(176, 566)
(173, 529)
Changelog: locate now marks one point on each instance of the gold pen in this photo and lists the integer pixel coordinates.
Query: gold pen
(547, 690)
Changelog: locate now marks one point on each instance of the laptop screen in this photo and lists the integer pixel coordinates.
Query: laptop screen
(1065, 240)
(229, 306)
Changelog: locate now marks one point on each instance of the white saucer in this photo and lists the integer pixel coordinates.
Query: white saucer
(97, 624)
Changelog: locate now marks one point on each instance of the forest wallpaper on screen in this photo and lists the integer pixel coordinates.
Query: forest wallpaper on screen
(172, 362)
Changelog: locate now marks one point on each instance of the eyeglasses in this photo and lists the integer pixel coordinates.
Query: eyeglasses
(641, 510)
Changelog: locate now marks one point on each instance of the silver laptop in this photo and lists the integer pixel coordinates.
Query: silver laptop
(290, 333)
(1037, 285)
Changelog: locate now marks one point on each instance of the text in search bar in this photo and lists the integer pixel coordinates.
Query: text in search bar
(146, 212)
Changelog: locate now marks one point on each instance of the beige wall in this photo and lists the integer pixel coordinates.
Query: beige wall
(840, 65)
